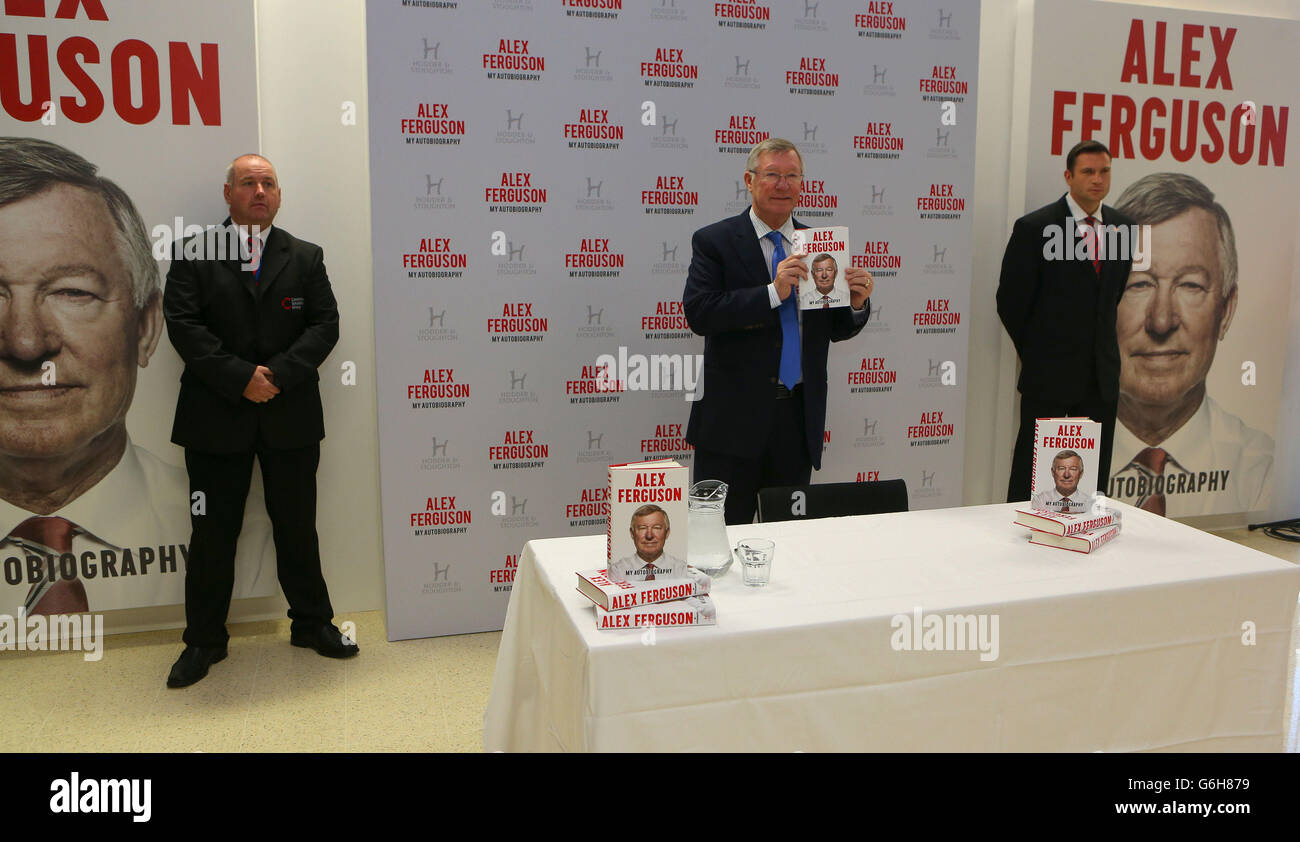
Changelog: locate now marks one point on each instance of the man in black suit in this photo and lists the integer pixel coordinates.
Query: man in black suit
(252, 334)
(1057, 298)
(762, 414)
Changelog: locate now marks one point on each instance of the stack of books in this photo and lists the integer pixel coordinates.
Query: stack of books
(1064, 508)
(666, 601)
(646, 580)
(1083, 533)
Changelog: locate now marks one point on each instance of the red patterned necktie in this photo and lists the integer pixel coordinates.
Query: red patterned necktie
(649, 571)
(65, 596)
(1153, 459)
(826, 302)
(1090, 237)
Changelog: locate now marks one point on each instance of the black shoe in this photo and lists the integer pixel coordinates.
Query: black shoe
(193, 664)
(326, 640)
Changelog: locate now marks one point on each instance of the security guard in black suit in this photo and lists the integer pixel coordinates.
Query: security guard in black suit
(1060, 311)
(252, 333)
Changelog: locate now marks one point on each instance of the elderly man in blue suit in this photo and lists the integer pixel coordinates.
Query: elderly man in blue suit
(762, 415)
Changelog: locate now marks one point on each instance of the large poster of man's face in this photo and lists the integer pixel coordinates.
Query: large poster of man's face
(1176, 446)
(81, 313)
(100, 171)
(1202, 167)
(89, 519)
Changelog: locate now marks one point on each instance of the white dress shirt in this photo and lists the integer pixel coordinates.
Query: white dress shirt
(142, 505)
(1080, 221)
(1216, 464)
(632, 568)
(812, 299)
(1050, 501)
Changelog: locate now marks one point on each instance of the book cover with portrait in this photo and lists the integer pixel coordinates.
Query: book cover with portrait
(826, 254)
(646, 533)
(1066, 458)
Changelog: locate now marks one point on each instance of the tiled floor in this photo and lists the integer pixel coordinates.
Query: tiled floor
(413, 695)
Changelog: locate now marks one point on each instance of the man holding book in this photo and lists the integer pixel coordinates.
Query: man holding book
(762, 415)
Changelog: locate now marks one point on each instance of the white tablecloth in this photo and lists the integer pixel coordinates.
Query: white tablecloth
(1138, 646)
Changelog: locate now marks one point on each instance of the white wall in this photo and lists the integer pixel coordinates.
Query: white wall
(312, 63)
(311, 60)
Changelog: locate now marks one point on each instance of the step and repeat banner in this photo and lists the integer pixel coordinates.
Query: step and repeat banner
(119, 119)
(1195, 109)
(537, 170)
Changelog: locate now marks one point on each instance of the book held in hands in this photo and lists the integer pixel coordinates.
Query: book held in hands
(826, 254)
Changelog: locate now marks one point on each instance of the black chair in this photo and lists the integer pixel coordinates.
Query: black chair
(835, 499)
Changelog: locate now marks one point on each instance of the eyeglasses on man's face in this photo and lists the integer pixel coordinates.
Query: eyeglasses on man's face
(777, 178)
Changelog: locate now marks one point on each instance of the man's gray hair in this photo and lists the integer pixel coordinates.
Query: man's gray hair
(1066, 454)
(650, 509)
(29, 166)
(1161, 196)
(772, 144)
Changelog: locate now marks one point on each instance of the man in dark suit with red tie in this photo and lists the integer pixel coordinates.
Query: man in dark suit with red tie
(762, 415)
(252, 333)
(1059, 306)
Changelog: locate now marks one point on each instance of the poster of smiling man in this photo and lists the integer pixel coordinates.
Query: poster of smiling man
(1194, 109)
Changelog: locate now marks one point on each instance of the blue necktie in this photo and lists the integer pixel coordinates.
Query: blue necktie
(790, 366)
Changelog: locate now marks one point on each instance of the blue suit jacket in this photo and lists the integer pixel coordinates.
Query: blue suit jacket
(726, 302)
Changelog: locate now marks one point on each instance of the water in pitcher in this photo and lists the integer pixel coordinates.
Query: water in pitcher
(707, 548)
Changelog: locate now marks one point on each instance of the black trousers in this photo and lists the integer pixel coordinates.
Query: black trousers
(289, 479)
(1032, 408)
(784, 461)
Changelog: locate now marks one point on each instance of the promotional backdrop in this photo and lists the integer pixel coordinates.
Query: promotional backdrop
(538, 168)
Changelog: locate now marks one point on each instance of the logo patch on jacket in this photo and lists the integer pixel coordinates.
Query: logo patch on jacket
(292, 303)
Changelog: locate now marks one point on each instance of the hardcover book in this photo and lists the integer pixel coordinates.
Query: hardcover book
(826, 253)
(1066, 459)
(1062, 524)
(1084, 542)
(613, 596)
(646, 533)
(692, 611)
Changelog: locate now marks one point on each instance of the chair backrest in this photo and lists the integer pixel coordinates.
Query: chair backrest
(834, 499)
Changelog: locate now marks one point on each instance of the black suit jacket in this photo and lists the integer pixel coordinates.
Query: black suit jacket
(224, 323)
(726, 301)
(1061, 313)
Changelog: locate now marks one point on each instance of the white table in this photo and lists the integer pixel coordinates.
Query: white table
(1135, 647)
